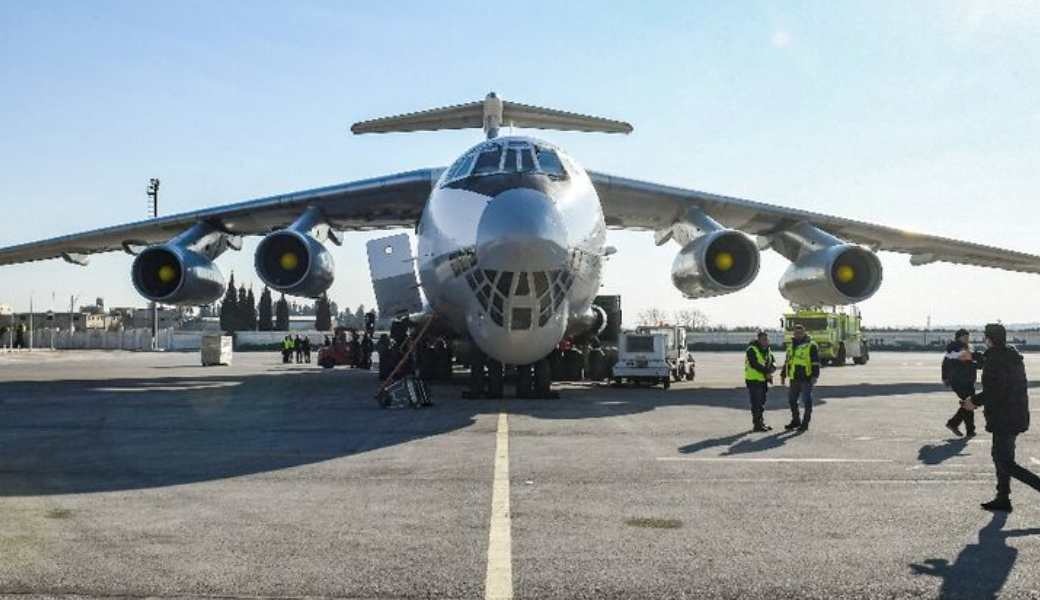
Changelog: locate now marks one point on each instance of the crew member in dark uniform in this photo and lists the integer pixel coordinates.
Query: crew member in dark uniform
(759, 367)
(959, 372)
(1005, 401)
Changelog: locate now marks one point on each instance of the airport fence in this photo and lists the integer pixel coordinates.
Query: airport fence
(170, 340)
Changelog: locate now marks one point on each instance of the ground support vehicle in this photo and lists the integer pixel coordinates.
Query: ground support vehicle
(838, 333)
(642, 359)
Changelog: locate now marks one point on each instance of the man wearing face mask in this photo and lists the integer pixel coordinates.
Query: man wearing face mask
(1005, 402)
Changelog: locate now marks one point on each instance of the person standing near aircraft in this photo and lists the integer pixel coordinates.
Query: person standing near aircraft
(802, 366)
(759, 367)
(1005, 401)
(959, 372)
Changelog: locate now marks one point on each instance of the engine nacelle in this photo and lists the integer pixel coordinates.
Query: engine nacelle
(171, 274)
(719, 262)
(589, 324)
(295, 263)
(832, 276)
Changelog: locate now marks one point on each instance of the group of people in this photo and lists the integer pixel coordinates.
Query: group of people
(1004, 397)
(300, 347)
(802, 367)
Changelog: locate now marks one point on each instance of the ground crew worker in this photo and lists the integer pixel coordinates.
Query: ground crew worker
(298, 347)
(959, 372)
(287, 349)
(802, 367)
(1005, 400)
(759, 367)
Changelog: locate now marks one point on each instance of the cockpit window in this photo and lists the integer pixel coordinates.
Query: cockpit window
(507, 157)
(548, 162)
(488, 161)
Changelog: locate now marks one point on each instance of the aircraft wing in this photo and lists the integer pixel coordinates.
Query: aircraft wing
(379, 203)
(632, 204)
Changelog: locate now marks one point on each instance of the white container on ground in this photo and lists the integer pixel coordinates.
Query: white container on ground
(217, 350)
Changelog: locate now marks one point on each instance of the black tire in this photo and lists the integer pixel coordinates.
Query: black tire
(690, 373)
(667, 381)
(863, 357)
(477, 378)
(839, 361)
(542, 378)
(495, 380)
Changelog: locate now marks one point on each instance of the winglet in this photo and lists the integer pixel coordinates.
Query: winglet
(491, 114)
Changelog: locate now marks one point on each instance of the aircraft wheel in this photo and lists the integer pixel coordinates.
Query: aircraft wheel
(495, 380)
(477, 379)
(542, 378)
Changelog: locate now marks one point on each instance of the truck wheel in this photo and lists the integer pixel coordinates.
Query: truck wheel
(863, 357)
(690, 374)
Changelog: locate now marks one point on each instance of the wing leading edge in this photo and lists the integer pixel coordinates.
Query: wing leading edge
(378, 203)
(633, 204)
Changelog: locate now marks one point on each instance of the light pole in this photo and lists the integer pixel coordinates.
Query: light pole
(153, 209)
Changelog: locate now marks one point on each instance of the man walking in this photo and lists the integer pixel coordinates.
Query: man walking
(758, 374)
(802, 367)
(1005, 401)
(959, 373)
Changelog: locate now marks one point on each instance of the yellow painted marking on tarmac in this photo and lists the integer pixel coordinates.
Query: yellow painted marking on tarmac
(499, 581)
(772, 460)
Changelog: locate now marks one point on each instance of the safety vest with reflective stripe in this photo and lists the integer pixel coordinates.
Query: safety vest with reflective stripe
(765, 358)
(800, 356)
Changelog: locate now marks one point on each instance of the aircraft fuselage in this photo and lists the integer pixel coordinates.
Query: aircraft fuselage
(510, 245)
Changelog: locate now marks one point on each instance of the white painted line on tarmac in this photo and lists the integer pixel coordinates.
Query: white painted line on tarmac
(499, 581)
(1036, 461)
(772, 460)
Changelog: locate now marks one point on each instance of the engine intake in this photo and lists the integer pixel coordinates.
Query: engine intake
(719, 262)
(295, 263)
(171, 274)
(835, 275)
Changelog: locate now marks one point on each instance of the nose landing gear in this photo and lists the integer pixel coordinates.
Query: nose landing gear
(487, 379)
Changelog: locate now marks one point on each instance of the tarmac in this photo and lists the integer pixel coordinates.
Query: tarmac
(145, 475)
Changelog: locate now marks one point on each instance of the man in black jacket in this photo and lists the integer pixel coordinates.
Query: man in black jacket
(1005, 401)
(959, 372)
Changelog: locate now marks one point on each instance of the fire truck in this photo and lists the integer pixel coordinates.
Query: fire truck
(837, 331)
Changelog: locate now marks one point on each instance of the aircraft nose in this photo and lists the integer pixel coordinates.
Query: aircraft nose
(521, 230)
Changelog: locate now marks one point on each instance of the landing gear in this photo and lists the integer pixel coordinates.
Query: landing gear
(495, 380)
(543, 379)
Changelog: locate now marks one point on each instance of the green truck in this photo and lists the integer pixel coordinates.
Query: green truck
(838, 333)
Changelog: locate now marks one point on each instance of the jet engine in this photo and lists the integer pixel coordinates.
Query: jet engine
(834, 275)
(295, 263)
(590, 324)
(718, 262)
(181, 271)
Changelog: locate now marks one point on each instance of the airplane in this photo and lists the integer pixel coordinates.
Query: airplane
(511, 240)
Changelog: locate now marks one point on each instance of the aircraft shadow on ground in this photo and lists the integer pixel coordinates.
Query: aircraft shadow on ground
(981, 569)
(96, 435)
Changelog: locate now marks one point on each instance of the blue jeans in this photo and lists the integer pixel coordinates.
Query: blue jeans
(803, 389)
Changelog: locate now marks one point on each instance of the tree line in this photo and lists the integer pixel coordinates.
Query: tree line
(239, 310)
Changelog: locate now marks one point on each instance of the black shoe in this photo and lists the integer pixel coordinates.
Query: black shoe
(804, 427)
(761, 428)
(970, 434)
(794, 424)
(956, 431)
(998, 504)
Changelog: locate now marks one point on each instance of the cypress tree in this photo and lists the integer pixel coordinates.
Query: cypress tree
(265, 311)
(251, 310)
(229, 307)
(322, 313)
(281, 312)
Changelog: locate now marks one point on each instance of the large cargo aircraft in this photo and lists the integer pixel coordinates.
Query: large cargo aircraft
(511, 238)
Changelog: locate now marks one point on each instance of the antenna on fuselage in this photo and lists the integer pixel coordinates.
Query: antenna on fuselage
(490, 114)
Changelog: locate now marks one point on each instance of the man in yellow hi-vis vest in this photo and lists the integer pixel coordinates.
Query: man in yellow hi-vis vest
(758, 374)
(802, 367)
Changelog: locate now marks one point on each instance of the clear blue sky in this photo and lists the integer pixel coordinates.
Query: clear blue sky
(920, 114)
